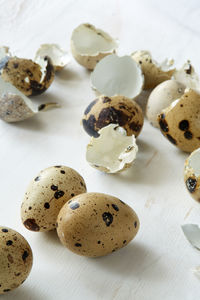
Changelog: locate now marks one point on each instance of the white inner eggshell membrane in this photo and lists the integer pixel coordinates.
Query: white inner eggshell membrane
(112, 149)
(115, 75)
(89, 40)
(194, 162)
(189, 80)
(58, 56)
(192, 233)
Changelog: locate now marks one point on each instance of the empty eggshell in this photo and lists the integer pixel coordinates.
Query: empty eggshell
(95, 224)
(59, 57)
(187, 76)
(15, 106)
(116, 110)
(154, 73)
(113, 151)
(46, 194)
(89, 45)
(16, 259)
(180, 122)
(161, 97)
(115, 75)
(27, 76)
(192, 174)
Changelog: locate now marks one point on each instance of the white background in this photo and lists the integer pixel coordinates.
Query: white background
(158, 263)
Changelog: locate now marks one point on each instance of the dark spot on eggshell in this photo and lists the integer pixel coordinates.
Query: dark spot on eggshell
(112, 115)
(6, 290)
(74, 205)
(57, 166)
(99, 242)
(135, 224)
(188, 135)
(107, 218)
(41, 107)
(37, 178)
(89, 107)
(106, 100)
(78, 245)
(191, 184)
(163, 123)
(25, 255)
(59, 194)
(89, 126)
(54, 187)
(115, 207)
(4, 230)
(9, 243)
(184, 125)
(62, 172)
(171, 139)
(135, 126)
(31, 225)
(124, 242)
(47, 205)
(72, 194)
(189, 70)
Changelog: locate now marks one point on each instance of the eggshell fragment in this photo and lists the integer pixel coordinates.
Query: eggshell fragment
(154, 73)
(115, 75)
(180, 122)
(15, 259)
(113, 151)
(4, 56)
(192, 174)
(89, 45)
(187, 76)
(95, 224)
(113, 110)
(161, 97)
(46, 194)
(59, 57)
(27, 76)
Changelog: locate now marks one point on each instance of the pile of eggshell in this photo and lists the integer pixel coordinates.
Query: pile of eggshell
(95, 224)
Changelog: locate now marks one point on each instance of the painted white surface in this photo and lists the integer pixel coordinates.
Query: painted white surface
(158, 263)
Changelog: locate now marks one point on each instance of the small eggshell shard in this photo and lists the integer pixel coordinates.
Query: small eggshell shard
(59, 57)
(95, 224)
(192, 234)
(161, 97)
(4, 56)
(154, 73)
(180, 122)
(115, 75)
(116, 110)
(46, 194)
(27, 76)
(89, 45)
(192, 174)
(113, 151)
(15, 259)
(187, 76)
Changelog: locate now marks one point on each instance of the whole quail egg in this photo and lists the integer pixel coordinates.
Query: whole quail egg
(46, 194)
(192, 174)
(95, 224)
(116, 110)
(16, 259)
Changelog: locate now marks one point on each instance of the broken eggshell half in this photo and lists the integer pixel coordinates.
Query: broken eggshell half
(59, 57)
(15, 106)
(192, 174)
(89, 45)
(154, 73)
(180, 122)
(187, 76)
(27, 76)
(113, 151)
(115, 75)
(4, 56)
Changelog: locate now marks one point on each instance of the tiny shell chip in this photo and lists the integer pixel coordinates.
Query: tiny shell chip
(95, 224)
(154, 73)
(15, 259)
(27, 76)
(59, 57)
(89, 45)
(113, 151)
(161, 97)
(192, 174)
(46, 194)
(187, 76)
(180, 122)
(4, 56)
(115, 75)
(116, 110)
(192, 234)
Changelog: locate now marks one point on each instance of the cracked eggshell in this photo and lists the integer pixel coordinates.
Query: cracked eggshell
(192, 174)
(116, 110)
(180, 122)
(89, 45)
(154, 73)
(161, 97)
(27, 76)
(113, 151)
(187, 76)
(46, 194)
(59, 57)
(95, 224)
(114, 76)
(16, 259)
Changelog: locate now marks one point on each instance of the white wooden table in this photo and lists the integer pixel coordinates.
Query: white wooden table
(158, 263)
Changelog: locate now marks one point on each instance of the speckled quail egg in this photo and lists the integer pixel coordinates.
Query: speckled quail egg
(15, 259)
(154, 73)
(116, 110)
(180, 122)
(46, 194)
(27, 76)
(89, 45)
(161, 97)
(95, 224)
(192, 174)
